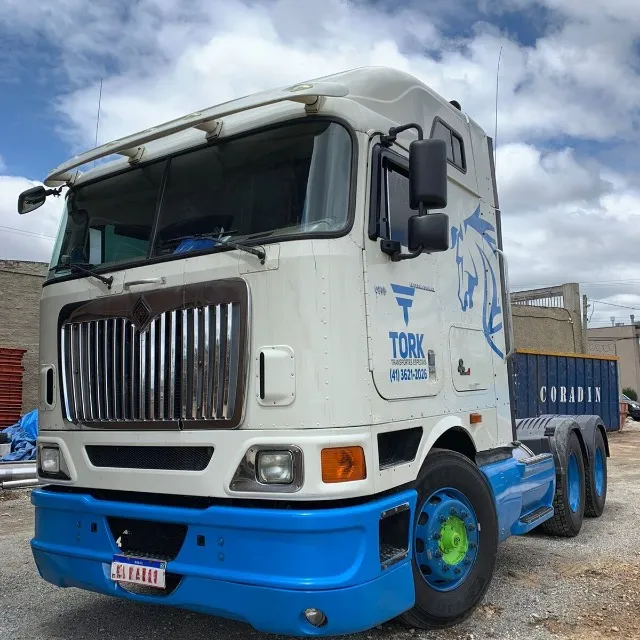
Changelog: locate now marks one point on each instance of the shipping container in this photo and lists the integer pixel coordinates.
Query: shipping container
(567, 384)
(11, 373)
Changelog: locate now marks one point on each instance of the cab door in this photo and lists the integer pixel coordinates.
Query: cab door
(403, 316)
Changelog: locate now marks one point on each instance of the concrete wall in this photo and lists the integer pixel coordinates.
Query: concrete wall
(546, 329)
(20, 289)
(549, 319)
(621, 342)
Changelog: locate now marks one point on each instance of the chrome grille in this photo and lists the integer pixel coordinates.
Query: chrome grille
(184, 365)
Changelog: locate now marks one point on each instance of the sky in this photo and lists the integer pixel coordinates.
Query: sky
(568, 104)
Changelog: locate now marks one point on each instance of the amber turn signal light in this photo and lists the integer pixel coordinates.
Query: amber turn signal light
(343, 464)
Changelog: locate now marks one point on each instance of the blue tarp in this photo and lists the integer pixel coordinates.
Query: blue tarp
(23, 436)
(195, 244)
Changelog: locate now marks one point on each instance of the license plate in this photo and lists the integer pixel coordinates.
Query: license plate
(150, 573)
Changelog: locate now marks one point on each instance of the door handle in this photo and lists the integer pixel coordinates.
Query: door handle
(133, 283)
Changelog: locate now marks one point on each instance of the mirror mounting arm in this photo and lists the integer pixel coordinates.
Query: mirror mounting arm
(394, 250)
(53, 192)
(388, 139)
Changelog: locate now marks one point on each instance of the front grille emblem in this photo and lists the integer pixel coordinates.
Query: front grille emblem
(141, 313)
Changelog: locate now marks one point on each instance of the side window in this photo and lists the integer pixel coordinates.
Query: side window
(95, 246)
(455, 144)
(397, 201)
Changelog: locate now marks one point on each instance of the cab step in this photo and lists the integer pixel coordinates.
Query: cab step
(537, 516)
(541, 457)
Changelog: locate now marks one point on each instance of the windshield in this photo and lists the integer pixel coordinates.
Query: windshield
(287, 181)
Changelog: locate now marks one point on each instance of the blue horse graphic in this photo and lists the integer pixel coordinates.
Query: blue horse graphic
(475, 244)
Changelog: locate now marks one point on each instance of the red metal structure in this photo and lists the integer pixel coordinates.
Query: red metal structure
(11, 373)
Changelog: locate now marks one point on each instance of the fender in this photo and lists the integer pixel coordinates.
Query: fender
(549, 434)
(447, 423)
(589, 425)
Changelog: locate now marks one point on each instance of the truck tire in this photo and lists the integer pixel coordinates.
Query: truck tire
(596, 480)
(455, 541)
(569, 499)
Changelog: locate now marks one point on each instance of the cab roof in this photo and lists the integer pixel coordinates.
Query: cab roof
(369, 97)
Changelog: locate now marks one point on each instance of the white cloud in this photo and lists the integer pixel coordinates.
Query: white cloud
(570, 220)
(30, 236)
(533, 180)
(566, 217)
(575, 81)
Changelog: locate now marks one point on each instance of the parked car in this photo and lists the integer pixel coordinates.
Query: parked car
(634, 407)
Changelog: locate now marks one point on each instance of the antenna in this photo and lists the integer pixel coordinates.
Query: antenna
(98, 119)
(495, 137)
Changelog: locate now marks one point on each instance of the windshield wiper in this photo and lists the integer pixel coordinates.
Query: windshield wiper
(260, 253)
(216, 237)
(85, 269)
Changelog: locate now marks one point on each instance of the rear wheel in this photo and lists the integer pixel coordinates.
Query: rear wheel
(596, 480)
(455, 541)
(569, 500)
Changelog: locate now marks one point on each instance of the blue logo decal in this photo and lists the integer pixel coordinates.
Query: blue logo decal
(401, 298)
(407, 345)
(474, 245)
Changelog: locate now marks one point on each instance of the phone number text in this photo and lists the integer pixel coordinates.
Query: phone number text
(408, 375)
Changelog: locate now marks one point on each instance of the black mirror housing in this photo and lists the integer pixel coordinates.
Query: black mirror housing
(428, 174)
(31, 199)
(429, 232)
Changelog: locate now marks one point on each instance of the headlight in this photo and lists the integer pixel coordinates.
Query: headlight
(50, 460)
(275, 467)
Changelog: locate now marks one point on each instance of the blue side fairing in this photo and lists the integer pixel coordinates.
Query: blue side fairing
(521, 489)
(253, 562)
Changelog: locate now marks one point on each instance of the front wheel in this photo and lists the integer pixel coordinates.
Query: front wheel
(455, 541)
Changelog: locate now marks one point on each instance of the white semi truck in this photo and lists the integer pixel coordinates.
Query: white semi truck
(275, 387)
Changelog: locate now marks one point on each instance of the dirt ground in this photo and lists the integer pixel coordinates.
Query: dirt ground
(585, 588)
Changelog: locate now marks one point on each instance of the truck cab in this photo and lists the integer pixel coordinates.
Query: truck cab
(275, 341)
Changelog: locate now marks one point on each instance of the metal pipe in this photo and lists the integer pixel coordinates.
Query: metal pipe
(23, 472)
(17, 484)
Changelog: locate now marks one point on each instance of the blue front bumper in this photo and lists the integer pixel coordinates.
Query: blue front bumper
(260, 566)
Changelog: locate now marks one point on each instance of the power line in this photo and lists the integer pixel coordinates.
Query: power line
(612, 304)
(26, 233)
(609, 318)
(594, 282)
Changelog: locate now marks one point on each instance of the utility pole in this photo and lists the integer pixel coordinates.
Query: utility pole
(585, 344)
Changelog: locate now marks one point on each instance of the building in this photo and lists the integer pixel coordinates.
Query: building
(549, 319)
(624, 342)
(20, 289)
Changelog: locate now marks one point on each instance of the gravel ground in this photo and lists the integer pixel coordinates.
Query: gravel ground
(584, 589)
